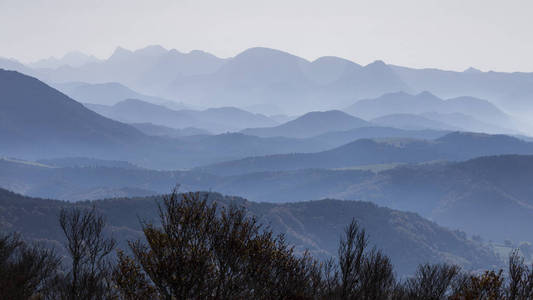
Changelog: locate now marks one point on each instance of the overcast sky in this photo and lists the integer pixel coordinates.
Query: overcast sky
(448, 34)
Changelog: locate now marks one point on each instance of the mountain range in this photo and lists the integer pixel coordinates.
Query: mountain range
(267, 76)
(216, 120)
(34, 114)
(71, 59)
(381, 151)
(460, 112)
(57, 126)
(510, 91)
(285, 133)
(488, 196)
(108, 93)
(262, 75)
(311, 124)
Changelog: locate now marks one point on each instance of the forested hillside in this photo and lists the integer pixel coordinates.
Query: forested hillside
(313, 225)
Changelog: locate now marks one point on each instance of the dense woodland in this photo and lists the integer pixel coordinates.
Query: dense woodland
(202, 251)
(311, 225)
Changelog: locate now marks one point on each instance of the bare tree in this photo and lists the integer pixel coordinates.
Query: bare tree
(520, 278)
(351, 253)
(432, 282)
(88, 248)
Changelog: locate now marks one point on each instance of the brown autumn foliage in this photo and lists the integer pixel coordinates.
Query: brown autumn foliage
(202, 251)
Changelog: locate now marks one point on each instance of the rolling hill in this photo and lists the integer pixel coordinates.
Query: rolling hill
(338, 138)
(109, 93)
(39, 122)
(216, 120)
(158, 130)
(510, 91)
(425, 102)
(314, 225)
(311, 124)
(488, 196)
(57, 126)
(381, 151)
(34, 115)
(412, 122)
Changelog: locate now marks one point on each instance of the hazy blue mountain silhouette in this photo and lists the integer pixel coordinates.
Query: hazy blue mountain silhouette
(108, 93)
(369, 152)
(326, 83)
(483, 196)
(466, 122)
(158, 130)
(425, 102)
(412, 122)
(263, 75)
(339, 138)
(438, 121)
(311, 124)
(14, 65)
(70, 59)
(82, 162)
(38, 121)
(33, 113)
(143, 70)
(57, 126)
(215, 120)
(257, 76)
(511, 91)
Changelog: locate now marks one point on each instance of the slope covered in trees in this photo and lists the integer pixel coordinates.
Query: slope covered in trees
(493, 191)
(311, 225)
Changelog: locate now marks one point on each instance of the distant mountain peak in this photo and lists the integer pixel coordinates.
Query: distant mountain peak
(377, 64)
(472, 70)
(334, 59)
(396, 94)
(311, 124)
(426, 94)
(197, 52)
(71, 59)
(120, 53)
(264, 52)
(465, 136)
(152, 50)
(333, 112)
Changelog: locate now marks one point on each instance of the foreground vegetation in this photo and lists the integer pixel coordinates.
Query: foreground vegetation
(202, 251)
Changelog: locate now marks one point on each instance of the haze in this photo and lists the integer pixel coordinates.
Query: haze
(488, 35)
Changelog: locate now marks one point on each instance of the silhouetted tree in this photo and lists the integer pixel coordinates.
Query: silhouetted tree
(89, 275)
(25, 271)
(431, 282)
(361, 273)
(201, 252)
(520, 278)
(489, 286)
(351, 250)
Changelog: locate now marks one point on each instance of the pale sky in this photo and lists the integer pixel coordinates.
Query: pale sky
(448, 34)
